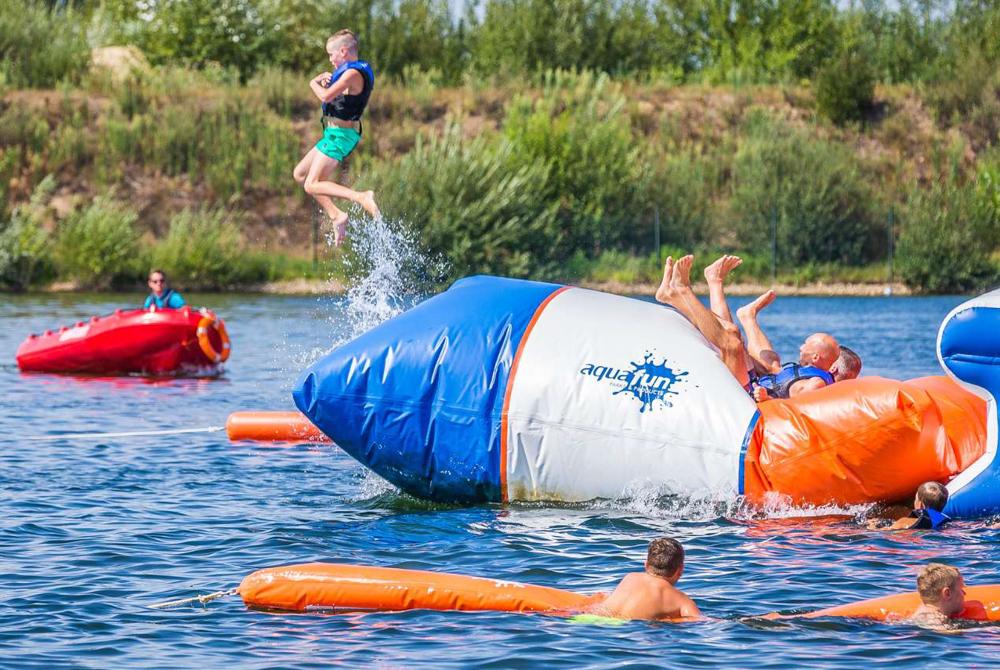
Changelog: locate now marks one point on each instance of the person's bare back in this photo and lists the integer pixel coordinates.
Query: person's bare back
(643, 596)
(651, 594)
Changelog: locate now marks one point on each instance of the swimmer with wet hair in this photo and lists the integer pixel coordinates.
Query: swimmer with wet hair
(942, 594)
(652, 594)
(927, 514)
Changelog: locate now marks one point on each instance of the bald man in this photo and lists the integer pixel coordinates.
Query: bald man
(817, 356)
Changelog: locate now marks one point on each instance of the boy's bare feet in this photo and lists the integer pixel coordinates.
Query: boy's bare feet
(752, 309)
(665, 293)
(340, 229)
(717, 272)
(367, 200)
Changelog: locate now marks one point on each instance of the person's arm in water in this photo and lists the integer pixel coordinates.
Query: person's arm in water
(350, 81)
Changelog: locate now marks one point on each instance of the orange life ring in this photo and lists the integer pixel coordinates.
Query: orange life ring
(211, 321)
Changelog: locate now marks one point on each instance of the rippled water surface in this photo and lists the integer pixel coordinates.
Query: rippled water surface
(94, 530)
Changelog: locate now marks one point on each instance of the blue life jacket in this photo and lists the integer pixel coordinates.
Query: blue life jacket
(778, 384)
(170, 299)
(350, 107)
(929, 519)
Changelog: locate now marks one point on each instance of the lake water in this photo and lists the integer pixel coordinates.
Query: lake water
(93, 531)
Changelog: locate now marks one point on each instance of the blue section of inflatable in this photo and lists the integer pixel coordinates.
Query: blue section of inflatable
(417, 398)
(969, 347)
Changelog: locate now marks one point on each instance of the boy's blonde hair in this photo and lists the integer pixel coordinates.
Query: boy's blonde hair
(933, 578)
(343, 38)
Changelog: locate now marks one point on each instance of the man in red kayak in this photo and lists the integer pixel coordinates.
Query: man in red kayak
(162, 296)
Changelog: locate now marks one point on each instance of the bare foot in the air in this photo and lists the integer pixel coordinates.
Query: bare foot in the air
(680, 281)
(367, 200)
(752, 309)
(717, 272)
(665, 293)
(340, 229)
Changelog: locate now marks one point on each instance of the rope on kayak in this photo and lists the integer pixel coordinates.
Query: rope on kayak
(206, 598)
(136, 433)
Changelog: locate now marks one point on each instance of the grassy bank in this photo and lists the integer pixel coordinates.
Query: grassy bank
(568, 176)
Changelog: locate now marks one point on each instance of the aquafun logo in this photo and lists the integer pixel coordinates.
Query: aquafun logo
(648, 382)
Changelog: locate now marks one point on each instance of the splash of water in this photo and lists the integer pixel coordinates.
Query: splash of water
(386, 272)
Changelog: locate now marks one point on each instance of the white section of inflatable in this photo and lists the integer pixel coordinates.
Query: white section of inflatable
(584, 419)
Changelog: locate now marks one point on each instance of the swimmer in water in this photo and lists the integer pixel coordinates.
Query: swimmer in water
(652, 594)
(927, 512)
(942, 595)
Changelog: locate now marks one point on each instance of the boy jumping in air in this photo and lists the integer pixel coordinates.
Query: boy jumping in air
(344, 95)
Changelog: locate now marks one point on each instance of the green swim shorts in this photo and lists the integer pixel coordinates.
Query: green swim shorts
(337, 142)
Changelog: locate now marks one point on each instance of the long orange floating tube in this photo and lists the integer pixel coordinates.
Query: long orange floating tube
(982, 603)
(308, 586)
(273, 427)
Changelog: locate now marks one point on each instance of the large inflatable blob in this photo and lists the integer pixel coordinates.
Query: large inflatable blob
(334, 586)
(501, 390)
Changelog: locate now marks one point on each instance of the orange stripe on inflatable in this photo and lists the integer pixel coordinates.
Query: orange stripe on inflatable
(510, 386)
(982, 604)
(864, 440)
(273, 427)
(334, 586)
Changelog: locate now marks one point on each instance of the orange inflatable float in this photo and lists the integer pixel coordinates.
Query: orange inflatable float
(982, 604)
(312, 586)
(272, 427)
(861, 441)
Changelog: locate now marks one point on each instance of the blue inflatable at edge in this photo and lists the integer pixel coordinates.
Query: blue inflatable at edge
(969, 350)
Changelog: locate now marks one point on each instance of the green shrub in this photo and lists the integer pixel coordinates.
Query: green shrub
(477, 203)
(845, 87)
(98, 244)
(285, 93)
(203, 250)
(969, 97)
(945, 245)
(578, 127)
(816, 190)
(40, 47)
(25, 244)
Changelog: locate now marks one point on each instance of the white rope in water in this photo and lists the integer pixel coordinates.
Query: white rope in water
(208, 597)
(135, 433)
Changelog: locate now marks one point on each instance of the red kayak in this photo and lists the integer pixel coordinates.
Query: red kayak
(134, 341)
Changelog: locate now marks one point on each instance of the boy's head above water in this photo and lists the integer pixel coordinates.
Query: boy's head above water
(931, 495)
(342, 46)
(942, 588)
(665, 559)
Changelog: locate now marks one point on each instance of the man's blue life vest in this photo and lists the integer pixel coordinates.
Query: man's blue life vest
(350, 107)
(778, 384)
(170, 299)
(929, 519)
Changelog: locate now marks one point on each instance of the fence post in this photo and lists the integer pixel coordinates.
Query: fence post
(315, 218)
(774, 245)
(891, 240)
(656, 235)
